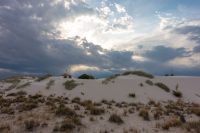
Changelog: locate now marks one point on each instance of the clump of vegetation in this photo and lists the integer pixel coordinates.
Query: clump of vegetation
(196, 110)
(96, 111)
(27, 106)
(70, 84)
(24, 85)
(141, 85)
(50, 83)
(19, 93)
(86, 76)
(7, 110)
(30, 125)
(68, 124)
(110, 79)
(61, 110)
(4, 128)
(149, 82)
(176, 92)
(76, 100)
(163, 86)
(139, 73)
(175, 122)
(43, 77)
(114, 118)
(132, 95)
(194, 125)
(14, 79)
(144, 114)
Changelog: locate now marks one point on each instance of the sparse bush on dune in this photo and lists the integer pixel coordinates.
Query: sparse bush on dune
(61, 110)
(132, 95)
(149, 82)
(7, 110)
(163, 86)
(24, 85)
(196, 110)
(193, 126)
(19, 93)
(50, 83)
(114, 118)
(4, 128)
(139, 73)
(144, 114)
(86, 76)
(30, 125)
(70, 84)
(177, 93)
(174, 122)
(110, 79)
(43, 77)
(68, 124)
(96, 111)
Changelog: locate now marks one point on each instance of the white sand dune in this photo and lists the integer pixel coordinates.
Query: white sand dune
(118, 91)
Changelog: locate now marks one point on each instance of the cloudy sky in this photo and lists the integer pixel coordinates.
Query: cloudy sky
(100, 37)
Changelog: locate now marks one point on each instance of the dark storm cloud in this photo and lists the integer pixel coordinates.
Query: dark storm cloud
(193, 33)
(162, 53)
(28, 44)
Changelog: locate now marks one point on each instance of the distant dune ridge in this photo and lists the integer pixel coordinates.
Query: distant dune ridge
(131, 102)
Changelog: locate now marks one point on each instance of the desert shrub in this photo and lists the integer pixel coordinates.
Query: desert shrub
(43, 77)
(149, 82)
(36, 96)
(196, 110)
(70, 84)
(61, 110)
(110, 79)
(87, 104)
(193, 125)
(12, 86)
(86, 76)
(175, 122)
(30, 125)
(163, 86)
(24, 85)
(76, 100)
(157, 114)
(19, 93)
(7, 110)
(96, 111)
(4, 128)
(144, 114)
(177, 93)
(114, 118)
(68, 124)
(20, 99)
(27, 106)
(50, 83)
(132, 95)
(141, 85)
(139, 73)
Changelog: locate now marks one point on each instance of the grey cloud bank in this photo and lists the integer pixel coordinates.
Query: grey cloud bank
(30, 43)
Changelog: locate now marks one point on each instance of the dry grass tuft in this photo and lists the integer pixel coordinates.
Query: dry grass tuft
(144, 114)
(70, 84)
(114, 118)
(174, 122)
(50, 83)
(31, 125)
(4, 128)
(163, 86)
